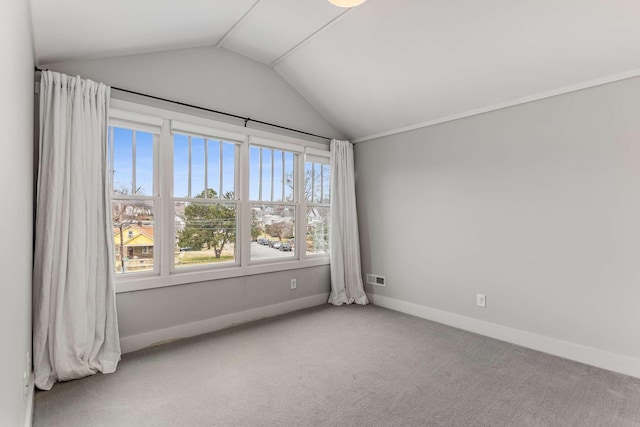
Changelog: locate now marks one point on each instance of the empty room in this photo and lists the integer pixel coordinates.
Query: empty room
(320, 213)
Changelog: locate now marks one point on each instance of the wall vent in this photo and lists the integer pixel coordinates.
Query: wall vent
(375, 280)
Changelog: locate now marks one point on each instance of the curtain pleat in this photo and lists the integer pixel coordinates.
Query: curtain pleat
(346, 275)
(75, 324)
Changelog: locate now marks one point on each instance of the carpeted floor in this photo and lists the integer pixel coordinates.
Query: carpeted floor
(343, 366)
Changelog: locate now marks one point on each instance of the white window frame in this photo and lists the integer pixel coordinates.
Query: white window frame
(129, 114)
(322, 157)
(152, 125)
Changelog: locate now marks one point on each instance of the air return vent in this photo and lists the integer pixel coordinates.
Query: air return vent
(375, 280)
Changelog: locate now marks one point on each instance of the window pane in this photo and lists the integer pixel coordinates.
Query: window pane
(133, 234)
(326, 184)
(205, 233)
(228, 169)
(266, 174)
(272, 231)
(317, 241)
(213, 168)
(180, 165)
(197, 167)
(144, 163)
(289, 176)
(254, 173)
(278, 176)
(309, 186)
(122, 160)
(271, 175)
(317, 182)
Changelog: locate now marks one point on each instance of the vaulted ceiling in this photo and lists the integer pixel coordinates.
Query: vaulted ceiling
(383, 66)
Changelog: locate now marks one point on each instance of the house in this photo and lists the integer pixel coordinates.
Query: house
(496, 154)
(133, 247)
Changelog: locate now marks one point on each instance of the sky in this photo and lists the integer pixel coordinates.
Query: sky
(283, 166)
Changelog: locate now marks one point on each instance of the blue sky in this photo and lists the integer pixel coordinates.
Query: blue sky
(123, 166)
(123, 161)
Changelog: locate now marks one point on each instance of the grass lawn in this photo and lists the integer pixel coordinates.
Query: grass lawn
(189, 258)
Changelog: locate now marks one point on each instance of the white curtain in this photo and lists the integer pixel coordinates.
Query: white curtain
(75, 327)
(346, 276)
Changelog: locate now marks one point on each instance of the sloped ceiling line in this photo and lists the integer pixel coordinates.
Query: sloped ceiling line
(236, 25)
(512, 103)
(310, 36)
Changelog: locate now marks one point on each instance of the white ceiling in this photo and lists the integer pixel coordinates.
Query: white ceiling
(385, 65)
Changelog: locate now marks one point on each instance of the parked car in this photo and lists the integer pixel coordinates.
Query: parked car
(185, 249)
(277, 245)
(285, 247)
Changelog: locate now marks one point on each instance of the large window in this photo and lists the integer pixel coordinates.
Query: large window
(196, 200)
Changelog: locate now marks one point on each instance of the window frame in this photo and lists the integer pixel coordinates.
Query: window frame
(322, 159)
(184, 120)
(135, 123)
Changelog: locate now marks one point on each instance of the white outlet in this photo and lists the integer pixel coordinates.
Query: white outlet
(481, 300)
(294, 284)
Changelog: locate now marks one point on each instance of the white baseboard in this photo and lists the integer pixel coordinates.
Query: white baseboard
(28, 420)
(147, 339)
(588, 355)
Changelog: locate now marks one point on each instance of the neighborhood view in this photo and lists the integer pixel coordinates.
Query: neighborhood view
(206, 208)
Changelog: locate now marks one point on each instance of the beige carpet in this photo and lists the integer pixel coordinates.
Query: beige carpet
(343, 366)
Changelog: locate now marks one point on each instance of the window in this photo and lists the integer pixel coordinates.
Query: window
(272, 178)
(133, 203)
(205, 202)
(196, 200)
(317, 192)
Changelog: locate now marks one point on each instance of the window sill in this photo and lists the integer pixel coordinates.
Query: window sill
(132, 284)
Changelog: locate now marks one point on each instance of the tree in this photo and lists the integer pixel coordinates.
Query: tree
(209, 224)
(256, 229)
(281, 230)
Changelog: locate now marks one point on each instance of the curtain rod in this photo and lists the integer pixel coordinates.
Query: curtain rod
(184, 104)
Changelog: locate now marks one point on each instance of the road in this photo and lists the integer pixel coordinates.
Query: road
(260, 252)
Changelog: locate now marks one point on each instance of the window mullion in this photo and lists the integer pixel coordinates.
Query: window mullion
(133, 163)
(189, 170)
(273, 155)
(260, 179)
(244, 239)
(221, 163)
(206, 168)
(111, 156)
(167, 224)
(321, 182)
(301, 234)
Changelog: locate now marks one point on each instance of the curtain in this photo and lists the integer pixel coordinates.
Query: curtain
(75, 327)
(346, 276)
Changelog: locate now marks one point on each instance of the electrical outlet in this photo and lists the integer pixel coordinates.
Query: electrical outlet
(481, 300)
(294, 284)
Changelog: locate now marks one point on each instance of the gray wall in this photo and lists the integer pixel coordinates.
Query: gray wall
(16, 215)
(207, 77)
(221, 80)
(153, 309)
(537, 206)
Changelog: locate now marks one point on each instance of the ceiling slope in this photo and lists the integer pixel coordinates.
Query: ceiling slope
(395, 64)
(274, 27)
(74, 29)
